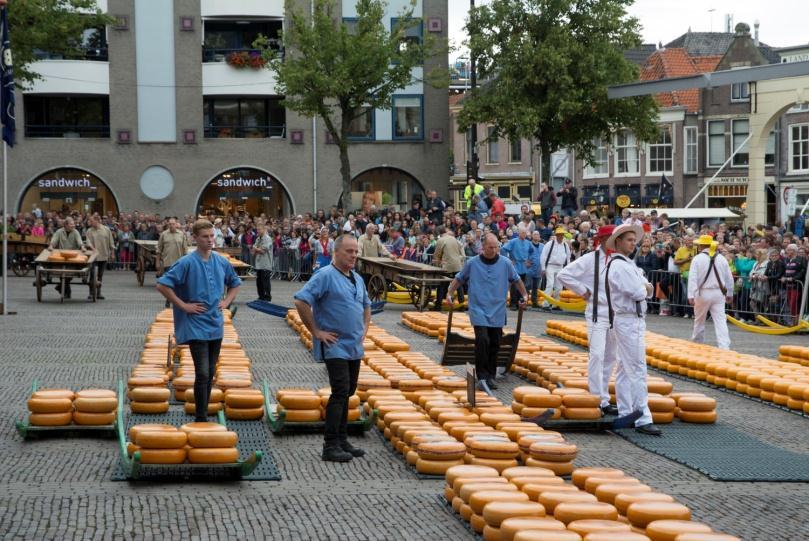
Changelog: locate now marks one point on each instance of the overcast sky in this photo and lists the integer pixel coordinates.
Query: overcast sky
(783, 22)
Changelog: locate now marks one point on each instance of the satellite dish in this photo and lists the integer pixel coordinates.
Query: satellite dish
(157, 183)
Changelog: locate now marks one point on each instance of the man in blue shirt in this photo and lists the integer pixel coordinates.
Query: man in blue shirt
(519, 251)
(335, 307)
(534, 276)
(489, 277)
(195, 285)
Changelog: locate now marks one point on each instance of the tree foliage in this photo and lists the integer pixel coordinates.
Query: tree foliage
(52, 26)
(546, 66)
(333, 70)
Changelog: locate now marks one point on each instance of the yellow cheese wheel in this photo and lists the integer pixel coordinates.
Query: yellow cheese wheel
(551, 498)
(587, 526)
(526, 440)
(625, 499)
(96, 393)
(490, 533)
(145, 381)
(520, 392)
(558, 468)
(662, 418)
(581, 401)
(461, 482)
(510, 526)
(538, 487)
(581, 413)
(162, 456)
(94, 419)
(608, 492)
(301, 415)
(669, 530)
(161, 439)
(213, 408)
(492, 419)
(568, 512)
(616, 536)
(441, 450)
(216, 395)
(477, 522)
(54, 393)
(436, 467)
(553, 451)
(136, 429)
(543, 535)
(659, 386)
(701, 417)
(479, 499)
(149, 407)
(95, 405)
(50, 419)
(214, 455)
(528, 472)
(498, 464)
(592, 483)
(299, 401)
(49, 405)
(193, 427)
(466, 490)
(706, 537)
(243, 401)
(696, 403)
(252, 414)
(492, 447)
(661, 404)
(457, 472)
(580, 475)
(131, 448)
(494, 513)
(640, 514)
(149, 394)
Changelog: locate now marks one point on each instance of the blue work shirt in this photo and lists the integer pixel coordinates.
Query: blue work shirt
(535, 257)
(488, 286)
(196, 280)
(338, 306)
(519, 251)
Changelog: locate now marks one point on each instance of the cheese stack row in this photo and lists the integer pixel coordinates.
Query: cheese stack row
(61, 407)
(244, 404)
(198, 443)
(215, 402)
(299, 405)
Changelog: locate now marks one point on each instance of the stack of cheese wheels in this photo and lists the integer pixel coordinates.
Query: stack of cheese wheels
(662, 408)
(437, 452)
(531, 401)
(149, 399)
(389, 343)
(578, 404)
(794, 354)
(493, 449)
(212, 446)
(51, 407)
(640, 514)
(233, 368)
(354, 412)
(244, 404)
(555, 455)
(95, 407)
(696, 409)
(158, 444)
(131, 446)
(299, 405)
(215, 402)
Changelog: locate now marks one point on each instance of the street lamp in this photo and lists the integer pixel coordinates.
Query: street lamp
(472, 164)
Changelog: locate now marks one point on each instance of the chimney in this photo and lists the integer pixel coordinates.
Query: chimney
(756, 24)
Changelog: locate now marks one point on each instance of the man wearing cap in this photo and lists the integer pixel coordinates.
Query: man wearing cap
(555, 256)
(626, 293)
(585, 277)
(710, 285)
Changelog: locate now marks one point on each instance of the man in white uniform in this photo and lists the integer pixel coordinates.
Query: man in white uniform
(710, 285)
(585, 277)
(627, 290)
(555, 256)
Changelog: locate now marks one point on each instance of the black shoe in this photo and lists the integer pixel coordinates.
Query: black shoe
(649, 429)
(609, 410)
(90, 297)
(348, 448)
(627, 421)
(541, 418)
(67, 294)
(335, 454)
(491, 383)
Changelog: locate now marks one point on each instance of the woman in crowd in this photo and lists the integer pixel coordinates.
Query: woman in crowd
(744, 262)
(322, 249)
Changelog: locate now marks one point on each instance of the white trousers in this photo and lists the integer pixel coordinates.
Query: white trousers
(552, 287)
(713, 301)
(629, 333)
(602, 358)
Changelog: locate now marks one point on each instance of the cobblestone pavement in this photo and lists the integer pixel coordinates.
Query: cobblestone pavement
(61, 488)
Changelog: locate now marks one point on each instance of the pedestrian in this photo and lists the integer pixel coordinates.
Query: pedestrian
(100, 239)
(586, 277)
(626, 293)
(518, 251)
(370, 245)
(261, 250)
(195, 286)
(534, 275)
(449, 255)
(555, 256)
(488, 277)
(570, 197)
(66, 238)
(792, 282)
(323, 249)
(710, 287)
(335, 307)
(547, 200)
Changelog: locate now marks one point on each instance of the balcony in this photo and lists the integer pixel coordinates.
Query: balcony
(220, 79)
(242, 8)
(70, 77)
(67, 132)
(66, 116)
(244, 117)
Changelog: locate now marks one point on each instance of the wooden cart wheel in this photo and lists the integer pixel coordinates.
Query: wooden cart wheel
(38, 278)
(419, 295)
(140, 270)
(424, 301)
(377, 288)
(20, 266)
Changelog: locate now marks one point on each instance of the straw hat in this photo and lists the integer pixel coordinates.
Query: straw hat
(620, 230)
(704, 240)
(560, 231)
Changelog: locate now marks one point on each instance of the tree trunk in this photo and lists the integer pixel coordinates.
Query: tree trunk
(345, 174)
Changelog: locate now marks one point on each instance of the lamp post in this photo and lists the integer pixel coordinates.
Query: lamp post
(472, 164)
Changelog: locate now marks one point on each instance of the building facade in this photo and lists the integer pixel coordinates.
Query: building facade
(171, 111)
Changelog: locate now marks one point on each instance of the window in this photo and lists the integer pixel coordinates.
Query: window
(799, 147)
(600, 164)
(716, 143)
(515, 151)
(740, 92)
(362, 125)
(412, 35)
(524, 191)
(740, 128)
(691, 149)
(226, 37)
(769, 152)
(626, 152)
(66, 116)
(244, 117)
(492, 146)
(661, 152)
(504, 192)
(408, 117)
(351, 24)
(91, 46)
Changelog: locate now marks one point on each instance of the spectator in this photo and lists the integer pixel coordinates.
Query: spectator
(547, 200)
(570, 197)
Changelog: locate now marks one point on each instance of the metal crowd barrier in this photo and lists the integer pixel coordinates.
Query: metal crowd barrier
(289, 264)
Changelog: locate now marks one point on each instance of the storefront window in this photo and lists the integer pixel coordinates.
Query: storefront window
(67, 190)
(245, 191)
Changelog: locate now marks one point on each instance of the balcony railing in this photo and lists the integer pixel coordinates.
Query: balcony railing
(83, 131)
(98, 54)
(210, 54)
(245, 132)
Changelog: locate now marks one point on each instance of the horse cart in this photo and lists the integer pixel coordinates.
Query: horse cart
(418, 280)
(23, 250)
(61, 266)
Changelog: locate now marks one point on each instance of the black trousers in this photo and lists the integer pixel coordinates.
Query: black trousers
(99, 265)
(205, 354)
(487, 346)
(264, 284)
(441, 294)
(343, 375)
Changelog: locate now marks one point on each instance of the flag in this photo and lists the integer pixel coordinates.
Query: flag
(7, 81)
(665, 185)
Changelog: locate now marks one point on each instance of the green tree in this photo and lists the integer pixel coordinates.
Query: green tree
(336, 71)
(52, 26)
(546, 66)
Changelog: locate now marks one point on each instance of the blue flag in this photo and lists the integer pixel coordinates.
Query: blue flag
(7, 81)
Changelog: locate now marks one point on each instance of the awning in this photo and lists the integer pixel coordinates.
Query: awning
(694, 213)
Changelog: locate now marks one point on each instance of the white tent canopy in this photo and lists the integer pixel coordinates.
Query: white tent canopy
(694, 213)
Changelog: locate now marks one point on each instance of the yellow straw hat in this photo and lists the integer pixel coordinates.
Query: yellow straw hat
(560, 231)
(704, 240)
